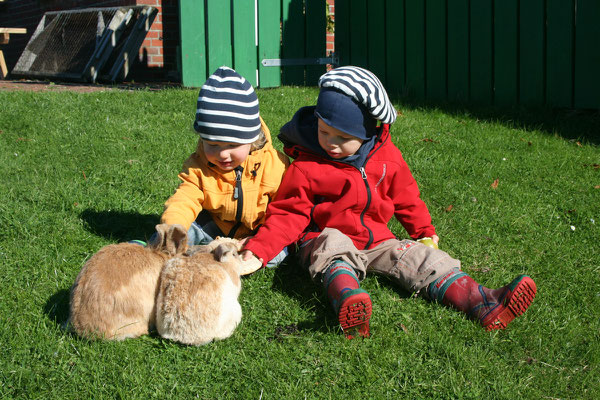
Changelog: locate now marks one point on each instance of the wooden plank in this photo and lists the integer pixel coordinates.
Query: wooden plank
(506, 57)
(315, 38)
(269, 12)
(415, 48)
(559, 52)
(292, 40)
(358, 33)
(244, 43)
(587, 56)
(218, 34)
(458, 50)
(13, 30)
(395, 61)
(342, 31)
(435, 49)
(193, 48)
(481, 52)
(376, 32)
(531, 43)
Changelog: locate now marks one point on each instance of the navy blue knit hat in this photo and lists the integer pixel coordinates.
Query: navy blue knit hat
(227, 109)
(352, 99)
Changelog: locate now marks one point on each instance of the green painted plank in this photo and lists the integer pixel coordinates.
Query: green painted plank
(506, 48)
(358, 33)
(481, 52)
(193, 49)
(435, 49)
(342, 31)
(292, 40)
(587, 56)
(415, 48)
(531, 43)
(269, 42)
(244, 43)
(394, 55)
(315, 38)
(218, 34)
(458, 50)
(376, 31)
(559, 52)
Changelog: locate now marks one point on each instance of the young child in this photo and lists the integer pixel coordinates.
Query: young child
(346, 182)
(234, 173)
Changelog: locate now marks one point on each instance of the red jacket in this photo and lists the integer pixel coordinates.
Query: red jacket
(317, 192)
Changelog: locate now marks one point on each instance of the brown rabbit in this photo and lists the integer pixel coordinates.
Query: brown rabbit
(114, 294)
(198, 297)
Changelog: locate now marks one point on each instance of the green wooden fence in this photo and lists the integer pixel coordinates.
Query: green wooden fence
(501, 52)
(241, 33)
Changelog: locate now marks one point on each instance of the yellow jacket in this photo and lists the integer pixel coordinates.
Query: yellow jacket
(204, 187)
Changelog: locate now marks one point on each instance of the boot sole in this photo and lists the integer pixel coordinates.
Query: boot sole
(354, 315)
(515, 303)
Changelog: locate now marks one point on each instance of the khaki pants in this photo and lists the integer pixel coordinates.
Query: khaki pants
(410, 264)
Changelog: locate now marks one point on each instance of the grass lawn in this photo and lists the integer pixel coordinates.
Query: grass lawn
(510, 193)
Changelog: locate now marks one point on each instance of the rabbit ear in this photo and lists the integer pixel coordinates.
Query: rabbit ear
(225, 252)
(172, 239)
(176, 241)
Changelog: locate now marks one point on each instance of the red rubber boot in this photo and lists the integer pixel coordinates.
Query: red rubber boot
(352, 304)
(492, 308)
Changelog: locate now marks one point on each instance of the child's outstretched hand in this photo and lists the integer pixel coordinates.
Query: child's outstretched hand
(247, 255)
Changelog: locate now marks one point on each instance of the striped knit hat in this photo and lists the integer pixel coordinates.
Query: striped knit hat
(364, 87)
(227, 109)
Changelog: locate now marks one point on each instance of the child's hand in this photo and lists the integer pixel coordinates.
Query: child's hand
(435, 239)
(247, 255)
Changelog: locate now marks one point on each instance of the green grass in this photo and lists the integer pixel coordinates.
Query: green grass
(79, 171)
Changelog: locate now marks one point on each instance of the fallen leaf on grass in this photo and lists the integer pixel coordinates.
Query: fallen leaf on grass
(429, 140)
(22, 139)
(404, 328)
(597, 187)
(449, 208)
(494, 184)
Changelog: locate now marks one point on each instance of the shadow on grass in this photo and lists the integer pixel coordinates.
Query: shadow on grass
(57, 307)
(580, 125)
(121, 226)
(293, 280)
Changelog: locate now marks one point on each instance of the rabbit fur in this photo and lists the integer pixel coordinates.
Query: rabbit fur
(197, 300)
(114, 295)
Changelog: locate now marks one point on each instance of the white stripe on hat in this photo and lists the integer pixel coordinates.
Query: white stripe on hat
(229, 102)
(226, 114)
(227, 90)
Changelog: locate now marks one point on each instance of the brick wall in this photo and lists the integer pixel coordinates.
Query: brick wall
(330, 38)
(157, 58)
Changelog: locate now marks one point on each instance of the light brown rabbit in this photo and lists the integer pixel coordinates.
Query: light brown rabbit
(198, 297)
(114, 294)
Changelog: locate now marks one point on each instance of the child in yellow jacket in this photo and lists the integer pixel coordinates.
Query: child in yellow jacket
(227, 183)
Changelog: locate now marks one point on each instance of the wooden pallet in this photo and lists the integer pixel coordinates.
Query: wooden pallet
(4, 38)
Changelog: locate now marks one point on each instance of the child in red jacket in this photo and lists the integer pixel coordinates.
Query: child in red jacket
(346, 182)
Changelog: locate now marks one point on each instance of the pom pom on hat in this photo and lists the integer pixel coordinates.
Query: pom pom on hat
(227, 109)
(364, 87)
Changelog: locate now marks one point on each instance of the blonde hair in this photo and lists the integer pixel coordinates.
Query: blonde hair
(260, 142)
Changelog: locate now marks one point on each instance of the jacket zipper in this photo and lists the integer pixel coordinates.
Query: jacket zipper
(363, 174)
(238, 195)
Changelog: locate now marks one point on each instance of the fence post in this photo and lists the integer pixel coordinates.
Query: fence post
(193, 50)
